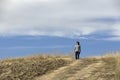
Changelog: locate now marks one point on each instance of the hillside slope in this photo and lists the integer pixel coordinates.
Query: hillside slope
(29, 67)
(85, 69)
(61, 68)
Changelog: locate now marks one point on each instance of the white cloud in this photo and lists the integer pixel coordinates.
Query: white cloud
(116, 28)
(112, 39)
(63, 18)
(39, 47)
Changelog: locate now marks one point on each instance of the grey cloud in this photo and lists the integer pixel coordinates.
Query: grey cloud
(117, 4)
(103, 20)
(55, 17)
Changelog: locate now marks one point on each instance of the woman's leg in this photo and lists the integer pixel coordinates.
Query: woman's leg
(78, 54)
(75, 55)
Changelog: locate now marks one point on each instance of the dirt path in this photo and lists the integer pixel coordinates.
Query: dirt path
(78, 70)
(87, 72)
(56, 72)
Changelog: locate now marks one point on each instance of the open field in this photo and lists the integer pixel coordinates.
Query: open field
(30, 67)
(61, 68)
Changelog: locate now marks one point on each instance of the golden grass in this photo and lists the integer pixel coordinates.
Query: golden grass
(30, 67)
(27, 68)
(111, 68)
(113, 60)
(118, 67)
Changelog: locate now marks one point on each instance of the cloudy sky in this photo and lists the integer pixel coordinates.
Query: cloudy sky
(72, 19)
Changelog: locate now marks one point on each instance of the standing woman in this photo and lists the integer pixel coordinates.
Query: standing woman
(77, 50)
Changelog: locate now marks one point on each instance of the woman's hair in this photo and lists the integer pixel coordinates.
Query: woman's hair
(78, 42)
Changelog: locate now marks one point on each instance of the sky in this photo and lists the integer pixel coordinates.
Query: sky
(50, 26)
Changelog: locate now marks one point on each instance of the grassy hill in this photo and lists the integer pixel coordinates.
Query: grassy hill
(61, 68)
(29, 67)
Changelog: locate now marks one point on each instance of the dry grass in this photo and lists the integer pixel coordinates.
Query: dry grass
(30, 67)
(118, 67)
(111, 66)
(113, 62)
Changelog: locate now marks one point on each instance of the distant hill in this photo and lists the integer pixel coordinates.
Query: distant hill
(61, 68)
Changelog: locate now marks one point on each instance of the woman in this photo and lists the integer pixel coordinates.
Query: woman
(77, 50)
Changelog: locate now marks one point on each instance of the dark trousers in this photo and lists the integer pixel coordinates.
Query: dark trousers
(77, 55)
